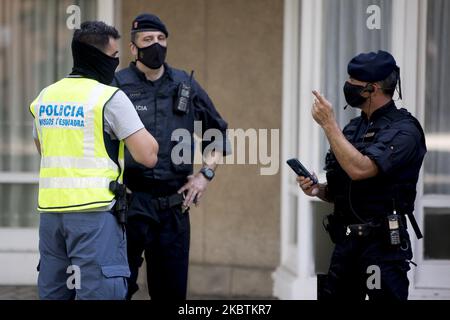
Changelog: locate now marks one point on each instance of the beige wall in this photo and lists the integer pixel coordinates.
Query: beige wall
(235, 48)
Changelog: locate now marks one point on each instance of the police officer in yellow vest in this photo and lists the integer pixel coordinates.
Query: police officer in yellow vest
(80, 127)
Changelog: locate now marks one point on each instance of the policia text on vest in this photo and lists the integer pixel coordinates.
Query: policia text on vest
(62, 115)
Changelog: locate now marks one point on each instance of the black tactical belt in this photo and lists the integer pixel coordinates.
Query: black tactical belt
(359, 230)
(364, 230)
(164, 203)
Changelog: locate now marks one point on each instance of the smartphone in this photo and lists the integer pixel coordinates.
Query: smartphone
(300, 170)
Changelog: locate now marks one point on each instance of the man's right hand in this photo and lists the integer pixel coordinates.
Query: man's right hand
(306, 184)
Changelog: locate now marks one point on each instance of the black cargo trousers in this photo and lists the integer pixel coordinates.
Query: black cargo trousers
(355, 263)
(164, 240)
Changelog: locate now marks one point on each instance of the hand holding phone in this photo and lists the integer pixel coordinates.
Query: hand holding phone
(300, 170)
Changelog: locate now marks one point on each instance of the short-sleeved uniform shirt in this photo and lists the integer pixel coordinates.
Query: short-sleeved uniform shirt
(398, 149)
(399, 145)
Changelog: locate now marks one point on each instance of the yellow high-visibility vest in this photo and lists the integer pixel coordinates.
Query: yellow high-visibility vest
(75, 167)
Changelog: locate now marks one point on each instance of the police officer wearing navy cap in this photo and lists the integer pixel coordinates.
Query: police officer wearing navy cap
(167, 100)
(372, 170)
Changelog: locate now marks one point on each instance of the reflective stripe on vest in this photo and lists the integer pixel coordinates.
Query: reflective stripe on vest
(75, 167)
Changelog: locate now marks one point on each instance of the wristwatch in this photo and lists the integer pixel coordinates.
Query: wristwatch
(208, 173)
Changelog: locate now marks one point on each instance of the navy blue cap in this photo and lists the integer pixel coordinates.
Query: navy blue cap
(372, 67)
(148, 22)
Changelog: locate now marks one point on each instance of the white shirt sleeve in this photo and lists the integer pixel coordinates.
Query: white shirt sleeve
(35, 134)
(121, 118)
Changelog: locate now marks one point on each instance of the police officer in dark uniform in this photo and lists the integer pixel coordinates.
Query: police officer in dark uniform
(168, 102)
(372, 171)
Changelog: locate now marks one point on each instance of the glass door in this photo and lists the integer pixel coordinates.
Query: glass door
(434, 250)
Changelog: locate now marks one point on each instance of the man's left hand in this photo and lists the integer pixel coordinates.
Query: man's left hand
(194, 189)
(322, 111)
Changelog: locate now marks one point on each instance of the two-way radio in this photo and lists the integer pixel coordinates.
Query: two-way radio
(184, 96)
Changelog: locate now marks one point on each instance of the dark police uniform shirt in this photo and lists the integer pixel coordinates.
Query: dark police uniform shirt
(154, 101)
(395, 141)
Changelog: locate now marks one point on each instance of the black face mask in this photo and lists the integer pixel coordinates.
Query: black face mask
(353, 95)
(90, 62)
(152, 56)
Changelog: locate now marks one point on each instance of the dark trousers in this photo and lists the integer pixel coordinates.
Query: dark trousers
(165, 245)
(352, 267)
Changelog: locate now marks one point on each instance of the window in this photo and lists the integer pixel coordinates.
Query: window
(323, 247)
(437, 161)
(34, 52)
(437, 241)
(437, 97)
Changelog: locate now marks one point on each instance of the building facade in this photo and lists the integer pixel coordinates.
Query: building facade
(254, 235)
